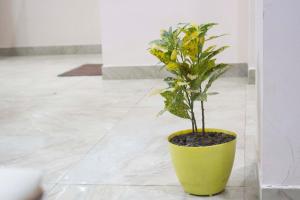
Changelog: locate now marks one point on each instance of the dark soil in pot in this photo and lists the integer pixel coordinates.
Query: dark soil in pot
(201, 139)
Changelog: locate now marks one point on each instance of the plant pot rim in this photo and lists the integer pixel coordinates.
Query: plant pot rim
(185, 131)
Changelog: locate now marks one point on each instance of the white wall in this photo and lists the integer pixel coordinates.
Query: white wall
(258, 63)
(252, 34)
(49, 22)
(128, 26)
(280, 94)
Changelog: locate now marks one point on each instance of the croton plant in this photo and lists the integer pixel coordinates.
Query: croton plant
(193, 68)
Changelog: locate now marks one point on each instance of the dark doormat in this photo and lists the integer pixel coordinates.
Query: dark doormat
(85, 70)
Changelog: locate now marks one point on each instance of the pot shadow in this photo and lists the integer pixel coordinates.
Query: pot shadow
(208, 195)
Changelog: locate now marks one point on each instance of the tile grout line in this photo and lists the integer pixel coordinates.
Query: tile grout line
(141, 98)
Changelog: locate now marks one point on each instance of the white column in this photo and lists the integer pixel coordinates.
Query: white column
(279, 100)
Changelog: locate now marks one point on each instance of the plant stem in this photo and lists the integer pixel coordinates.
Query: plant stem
(202, 112)
(193, 126)
(203, 119)
(193, 118)
(191, 105)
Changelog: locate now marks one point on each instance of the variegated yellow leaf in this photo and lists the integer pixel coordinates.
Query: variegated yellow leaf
(182, 83)
(172, 66)
(174, 55)
(192, 77)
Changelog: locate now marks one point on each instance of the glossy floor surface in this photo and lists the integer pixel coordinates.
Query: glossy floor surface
(101, 140)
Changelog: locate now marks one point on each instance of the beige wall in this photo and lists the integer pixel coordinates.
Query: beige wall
(252, 34)
(128, 26)
(26, 23)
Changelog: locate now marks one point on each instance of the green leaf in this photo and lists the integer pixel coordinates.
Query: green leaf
(213, 77)
(170, 81)
(214, 37)
(175, 104)
(211, 71)
(161, 55)
(192, 77)
(182, 83)
(201, 97)
(208, 50)
(205, 27)
(216, 52)
(158, 43)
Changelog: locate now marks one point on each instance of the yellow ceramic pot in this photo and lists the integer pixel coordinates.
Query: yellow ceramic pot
(203, 170)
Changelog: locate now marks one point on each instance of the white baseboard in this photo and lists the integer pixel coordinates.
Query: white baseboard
(269, 192)
(152, 72)
(51, 50)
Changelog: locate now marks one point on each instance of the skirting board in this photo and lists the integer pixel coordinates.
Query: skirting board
(51, 50)
(277, 192)
(251, 76)
(280, 193)
(153, 72)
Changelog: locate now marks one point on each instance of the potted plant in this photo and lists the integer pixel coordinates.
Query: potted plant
(202, 157)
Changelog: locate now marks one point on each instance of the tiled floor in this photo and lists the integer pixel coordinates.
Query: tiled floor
(98, 139)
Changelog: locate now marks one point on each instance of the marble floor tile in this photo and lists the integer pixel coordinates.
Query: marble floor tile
(251, 152)
(54, 167)
(136, 152)
(118, 86)
(97, 139)
(52, 154)
(251, 193)
(54, 139)
(136, 146)
(251, 174)
(60, 121)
